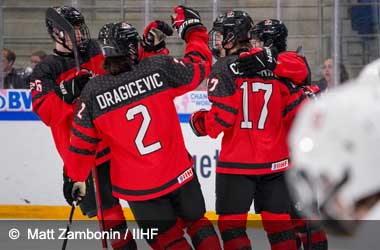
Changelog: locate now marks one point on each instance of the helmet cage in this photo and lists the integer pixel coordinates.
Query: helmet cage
(76, 19)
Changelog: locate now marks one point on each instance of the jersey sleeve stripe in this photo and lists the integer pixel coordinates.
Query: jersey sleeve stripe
(193, 55)
(102, 153)
(225, 107)
(81, 151)
(293, 105)
(222, 122)
(84, 137)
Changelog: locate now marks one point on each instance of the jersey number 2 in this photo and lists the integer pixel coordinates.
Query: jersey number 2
(131, 113)
(256, 87)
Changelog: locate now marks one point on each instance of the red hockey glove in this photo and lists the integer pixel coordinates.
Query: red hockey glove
(257, 59)
(69, 90)
(185, 19)
(197, 122)
(311, 90)
(73, 191)
(154, 35)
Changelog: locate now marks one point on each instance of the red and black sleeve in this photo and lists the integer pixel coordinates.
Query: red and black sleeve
(187, 73)
(84, 140)
(294, 67)
(223, 96)
(46, 104)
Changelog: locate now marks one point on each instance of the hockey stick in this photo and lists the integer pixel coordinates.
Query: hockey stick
(69, 225)
(99, 205)
(63, 24)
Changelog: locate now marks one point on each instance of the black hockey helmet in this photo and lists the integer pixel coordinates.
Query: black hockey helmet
(237, 27)
(76, 19)
(119, 39)
(215, 34)
(271, 32)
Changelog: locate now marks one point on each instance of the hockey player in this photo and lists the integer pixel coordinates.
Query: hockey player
(252, 109)
(132, 109)
(270, 42)
(55, 85)
(334, 144)
(272, 34)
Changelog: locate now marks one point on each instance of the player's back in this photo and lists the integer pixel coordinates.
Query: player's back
(135, 113)
(256, 141)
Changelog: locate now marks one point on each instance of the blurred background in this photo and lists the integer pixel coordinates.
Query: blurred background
(347, 31)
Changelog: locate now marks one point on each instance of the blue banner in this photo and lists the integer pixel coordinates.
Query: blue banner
(16, 105)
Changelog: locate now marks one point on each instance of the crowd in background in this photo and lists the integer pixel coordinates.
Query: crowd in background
(18, 78)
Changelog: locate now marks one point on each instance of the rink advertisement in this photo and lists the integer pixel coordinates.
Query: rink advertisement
(16, 105)
(32, 168)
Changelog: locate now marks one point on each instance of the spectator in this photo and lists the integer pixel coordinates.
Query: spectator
(35, 58)
(12, 78)
(326, 81)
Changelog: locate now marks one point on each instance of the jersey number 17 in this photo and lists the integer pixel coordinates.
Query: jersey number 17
(256, 87)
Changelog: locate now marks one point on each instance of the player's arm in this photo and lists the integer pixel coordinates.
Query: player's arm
(46, 104)
(153, 39)
(51, 101)
(294, 67)
(84, 140)
(296, 97)
(187, 73)
(287, 64)
(224, 109)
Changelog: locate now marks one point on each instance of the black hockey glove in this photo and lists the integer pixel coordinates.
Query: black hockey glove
(70, 90)
(197, 123)
(185, 19)
(73, 191)
(154, 35)
(257, 59)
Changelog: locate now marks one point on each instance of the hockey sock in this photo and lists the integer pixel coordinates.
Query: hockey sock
(280, 231)
(114, 220)
(173, 239)
(233, 230)
(318, 236)
(203, 235)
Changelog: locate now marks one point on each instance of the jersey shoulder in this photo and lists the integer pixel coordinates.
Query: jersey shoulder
(225, 65)
(49, 66)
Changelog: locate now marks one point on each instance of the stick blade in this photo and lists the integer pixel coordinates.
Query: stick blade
(63, 24)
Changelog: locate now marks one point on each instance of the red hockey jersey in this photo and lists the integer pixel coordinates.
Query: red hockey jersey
(254, 114)
(134, 113)
(54, 112)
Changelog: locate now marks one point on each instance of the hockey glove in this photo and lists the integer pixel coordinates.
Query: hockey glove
(197, 122)
(311, 91)
(154, 35)
(70, 90)
(185, 19)
(73, 191)
(257, 59)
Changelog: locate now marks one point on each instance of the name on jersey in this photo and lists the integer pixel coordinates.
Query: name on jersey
(129, 90)
(280, 165)
(186, 175)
